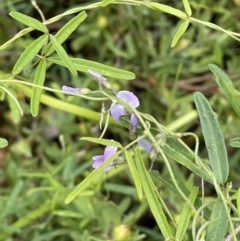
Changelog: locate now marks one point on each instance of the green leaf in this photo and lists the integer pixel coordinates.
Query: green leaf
(213, 137)
(187, 7)
(90, 178)
(149, 190)
(167, 9)
(134, 173)
(182, 29)
(29, 21)
(63, 55)
(107, 2)
(227, 87)
(104, 142)
(84, 65)
(37, 91)
(218, 224)
(185, 215)
(3, 142)
(29, 53)
(235, 142)
(66, 31)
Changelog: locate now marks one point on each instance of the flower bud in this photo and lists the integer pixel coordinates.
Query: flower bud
(121, 233)
(153, 154)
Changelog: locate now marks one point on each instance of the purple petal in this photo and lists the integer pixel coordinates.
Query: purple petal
(145, 144)
(134, 120)
(129, 97)
(109, 151)
(118, 110)
(70, 89)
(99, 78)
(98, 160)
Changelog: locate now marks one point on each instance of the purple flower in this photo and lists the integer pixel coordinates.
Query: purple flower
(118, 110)
(99, 159)
(145, 144)
(82, 91)
(100, 79)
(70, 89)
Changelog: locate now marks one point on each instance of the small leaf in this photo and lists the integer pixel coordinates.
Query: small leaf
(235, 142)
(167, 9)
(29, 21)
(90, 178)
(185, 215)
(187, 7)
(149, 190)
(107, 2)
(182, 29)
(213, 137)
(63, 55)
(37, 91)
(84, 65)
(3, 142)
(134, 173)
(104, 142)
(66, 31)
(29, 53)
(218, 224)
(227, 87)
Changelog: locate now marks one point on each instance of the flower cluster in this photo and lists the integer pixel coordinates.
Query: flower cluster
(117, 110)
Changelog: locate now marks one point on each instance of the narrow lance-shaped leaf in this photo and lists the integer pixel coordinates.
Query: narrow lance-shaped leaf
(63, 55)
(90, 178)
(187, 7)
(167, 9)
(37, 91)
(218, 224)
(14, 107)
(134, 174)
(213, 137)
(185, 215)
(66, 30)
(154, 204)
(29, 53)
(104, 142)
(227, 87)
(29, 21)
(84, 65)
(182, 29)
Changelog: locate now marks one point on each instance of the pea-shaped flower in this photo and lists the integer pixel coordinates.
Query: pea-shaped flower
(99, 159)
(118, 110)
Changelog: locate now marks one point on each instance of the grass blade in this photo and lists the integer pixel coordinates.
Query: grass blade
(29, 21)
(37, 91)
(29, 53)
(63, 55)
(213, 138)
(185, 215)
(134, 173)
(154, 204)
